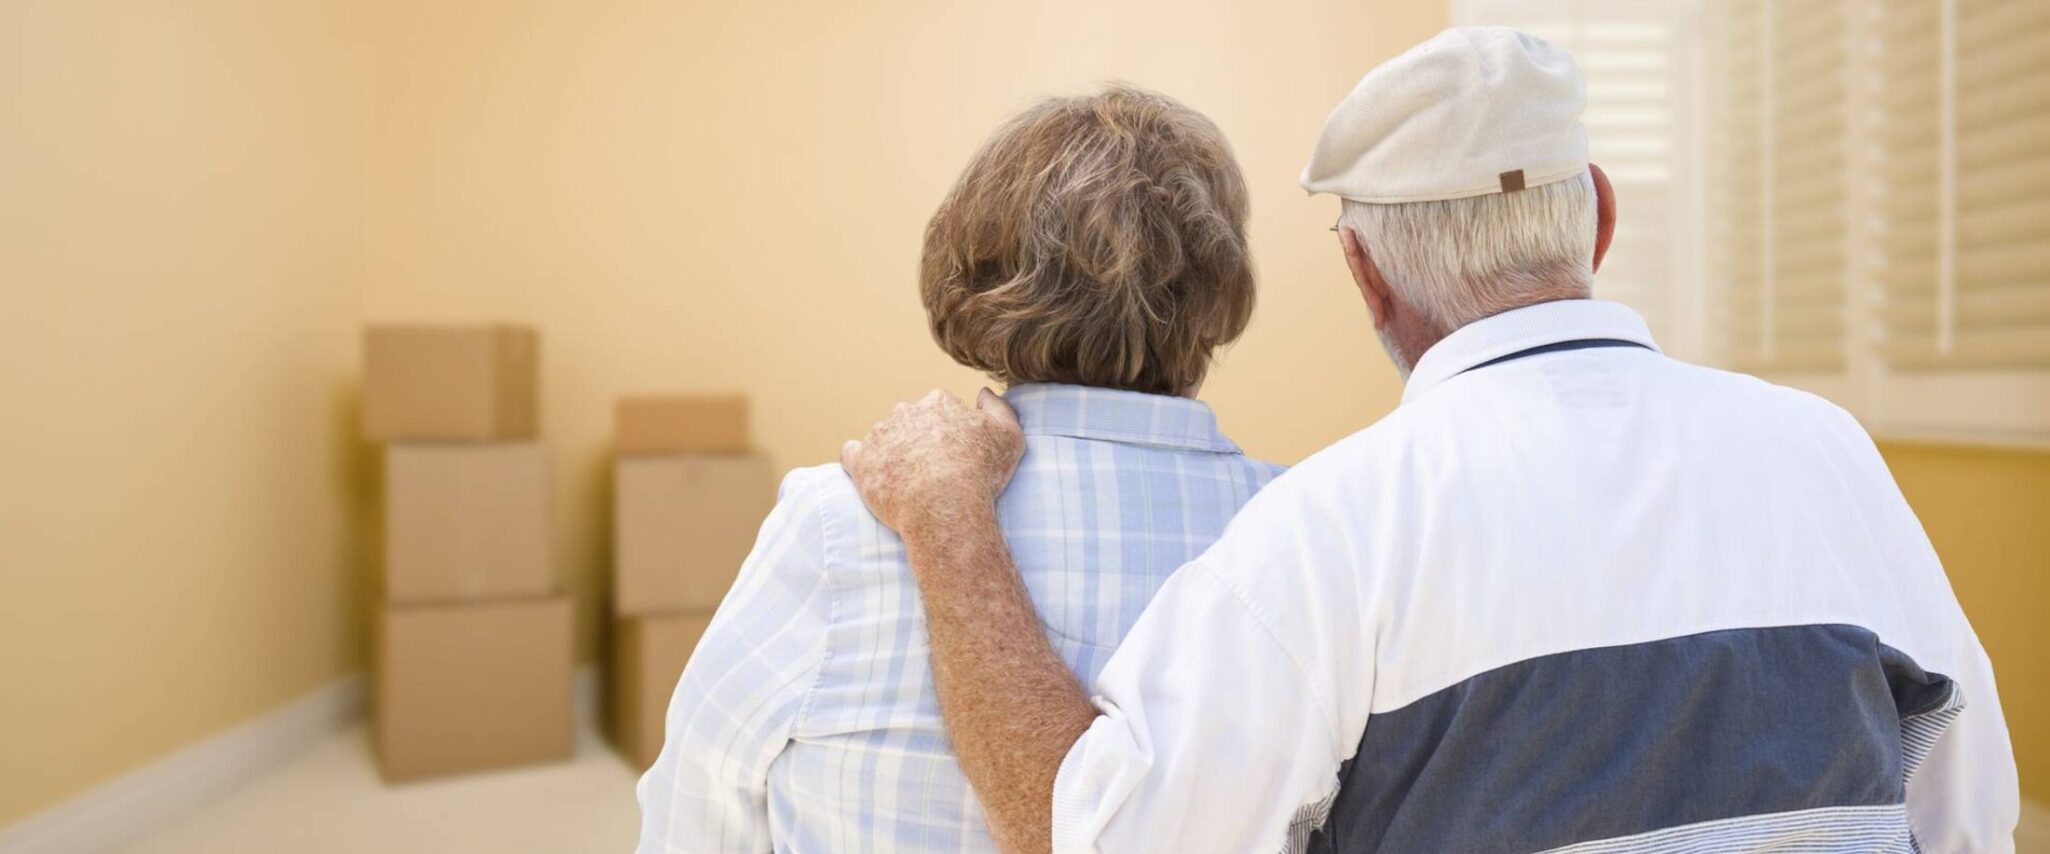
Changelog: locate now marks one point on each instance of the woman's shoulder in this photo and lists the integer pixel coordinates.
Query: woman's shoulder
(826, 498)
(824, 491)
(813, 484)
(871, 611)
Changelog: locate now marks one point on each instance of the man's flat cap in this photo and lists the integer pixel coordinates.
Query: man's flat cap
(1475, 110)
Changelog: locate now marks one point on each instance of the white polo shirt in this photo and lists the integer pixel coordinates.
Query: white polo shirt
(1585, 599)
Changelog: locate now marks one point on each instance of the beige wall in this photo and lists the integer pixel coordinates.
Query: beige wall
(180, 247)
(730, 195)
(202, 206)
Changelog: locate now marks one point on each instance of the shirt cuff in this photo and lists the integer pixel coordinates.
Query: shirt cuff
(1075, 799)
(1099, 775)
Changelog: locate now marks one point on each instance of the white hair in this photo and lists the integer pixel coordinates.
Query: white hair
(1459, 260)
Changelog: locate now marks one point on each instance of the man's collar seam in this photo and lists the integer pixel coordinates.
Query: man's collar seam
(1500, 335)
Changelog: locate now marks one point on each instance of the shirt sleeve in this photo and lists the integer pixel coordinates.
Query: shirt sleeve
(1964, 794)
(1222, 726)
(733, 709)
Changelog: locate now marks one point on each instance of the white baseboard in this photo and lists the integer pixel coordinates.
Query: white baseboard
(130, 807)
(585, 693)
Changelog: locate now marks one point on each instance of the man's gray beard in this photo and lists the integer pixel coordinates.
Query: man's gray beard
(1402, 360)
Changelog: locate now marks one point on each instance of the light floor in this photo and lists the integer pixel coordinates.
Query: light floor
(331, 800)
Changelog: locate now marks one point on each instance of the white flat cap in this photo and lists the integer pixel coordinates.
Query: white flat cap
(1475, 110)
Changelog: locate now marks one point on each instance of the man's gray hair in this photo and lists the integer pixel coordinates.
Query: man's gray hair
(1459, 260)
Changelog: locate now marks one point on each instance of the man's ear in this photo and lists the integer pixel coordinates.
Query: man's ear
(1604, 214)
(1373, 288)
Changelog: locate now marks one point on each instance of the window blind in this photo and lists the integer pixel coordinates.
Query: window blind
(1779, 192)
(1734, 88)
(1963, 122)
(1628, 52)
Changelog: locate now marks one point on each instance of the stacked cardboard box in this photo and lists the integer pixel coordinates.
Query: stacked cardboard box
(689, 498)
(473, 642)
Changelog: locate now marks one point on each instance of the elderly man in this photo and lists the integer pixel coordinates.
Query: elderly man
(1571, 595)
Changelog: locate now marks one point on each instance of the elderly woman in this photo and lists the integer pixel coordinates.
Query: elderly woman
(1092, 257)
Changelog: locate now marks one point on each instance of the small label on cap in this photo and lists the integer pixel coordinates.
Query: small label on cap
(1512, 181)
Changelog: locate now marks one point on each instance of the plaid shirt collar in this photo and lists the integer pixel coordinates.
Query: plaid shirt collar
(1111, 415)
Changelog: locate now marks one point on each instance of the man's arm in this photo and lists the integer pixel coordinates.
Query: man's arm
(1221, 726)
(1012, 707)
(1964, 795)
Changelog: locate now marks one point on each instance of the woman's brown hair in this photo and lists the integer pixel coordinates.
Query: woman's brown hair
(1097, 240)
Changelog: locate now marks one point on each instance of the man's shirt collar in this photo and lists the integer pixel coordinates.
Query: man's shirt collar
(1521, 329)
(1085, 412)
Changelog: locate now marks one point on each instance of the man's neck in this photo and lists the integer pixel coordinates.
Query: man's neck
(1415, 342)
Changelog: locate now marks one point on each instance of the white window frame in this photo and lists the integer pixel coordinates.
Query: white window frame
(2000, 408)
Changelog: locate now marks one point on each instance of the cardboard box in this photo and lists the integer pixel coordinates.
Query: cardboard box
(648, 654)
(680, 424)
(682, 526)
(466, 522)
(463, 383)
(469, 687)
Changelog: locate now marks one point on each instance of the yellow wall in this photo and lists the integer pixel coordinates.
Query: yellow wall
(730, 195)
(203, 203)
(201, 207)
(180, 247)
(1988, 512)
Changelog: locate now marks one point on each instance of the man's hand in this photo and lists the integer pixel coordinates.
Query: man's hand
(934, 459)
